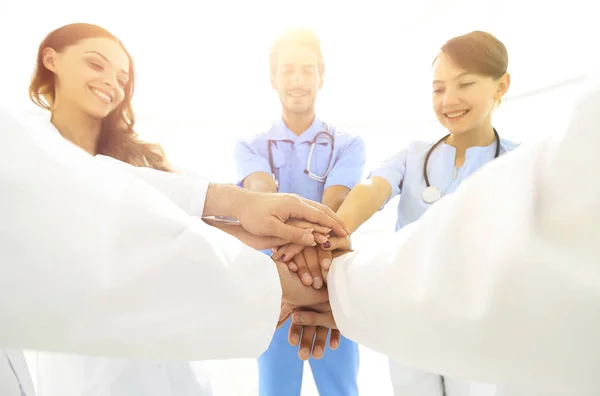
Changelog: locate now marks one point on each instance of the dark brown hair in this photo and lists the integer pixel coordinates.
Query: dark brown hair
(117, 137)
(479, 53)
(296, 37)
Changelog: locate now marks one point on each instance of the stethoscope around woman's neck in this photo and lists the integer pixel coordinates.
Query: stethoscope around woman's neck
(431, 193)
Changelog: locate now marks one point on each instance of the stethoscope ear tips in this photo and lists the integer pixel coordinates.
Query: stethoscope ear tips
(306, 171)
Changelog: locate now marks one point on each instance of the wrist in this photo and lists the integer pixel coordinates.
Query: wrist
(223, 200)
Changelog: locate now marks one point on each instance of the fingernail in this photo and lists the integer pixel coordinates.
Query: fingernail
(317, 282)
(333, 344)
(304, 352)
(306, 279)
(327, 245)
(295, 338)
(318, 351)
(282, 258)
(325, 264)
(292, 267)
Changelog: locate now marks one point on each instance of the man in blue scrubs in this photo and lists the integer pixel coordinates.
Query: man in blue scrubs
(281, 160)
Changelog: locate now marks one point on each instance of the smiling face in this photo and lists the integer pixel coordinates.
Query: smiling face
(464, 101)
(297, 78)
(91, 75)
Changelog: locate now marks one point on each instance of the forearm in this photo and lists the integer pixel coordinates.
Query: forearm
(260, 182)
(363, 202)
(334, 196)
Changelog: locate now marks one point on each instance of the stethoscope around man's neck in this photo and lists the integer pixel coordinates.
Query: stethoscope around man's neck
(329, 139)
(431, 193)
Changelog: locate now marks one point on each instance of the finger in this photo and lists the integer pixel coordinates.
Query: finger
(337, 243)
(303, 272)
(292, 250)
(334, 339)
(319, 343)
(321, 238)
(324, 257)
(292, 266)
(279, 255)
(306, 225)
(261, 243)
(312, 262)
(306, 342)
(318, 213)
(294, 334)
(309, 318)
(301, 236)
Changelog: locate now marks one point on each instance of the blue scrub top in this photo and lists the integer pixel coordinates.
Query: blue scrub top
(404, 172)
(290, 158)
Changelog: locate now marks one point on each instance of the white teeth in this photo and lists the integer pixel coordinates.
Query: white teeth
(102, 95)
(456, 114)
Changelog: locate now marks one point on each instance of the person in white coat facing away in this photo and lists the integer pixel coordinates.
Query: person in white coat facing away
(500, 281)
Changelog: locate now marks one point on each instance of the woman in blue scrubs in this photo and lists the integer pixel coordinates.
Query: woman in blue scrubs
(303, 155)
(469, 80)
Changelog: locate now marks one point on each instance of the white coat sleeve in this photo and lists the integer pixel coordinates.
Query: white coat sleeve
(95, 261)
(186, 190)
(500, 281)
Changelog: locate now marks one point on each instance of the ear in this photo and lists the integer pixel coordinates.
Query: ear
(503, 84)
(49, 59)
(274, 81)
(320, 82)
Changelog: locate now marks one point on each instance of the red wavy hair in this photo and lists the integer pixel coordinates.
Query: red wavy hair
(118, 138)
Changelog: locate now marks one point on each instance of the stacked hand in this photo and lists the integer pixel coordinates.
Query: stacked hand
(312, 318)
(305, 232)
(271, 220)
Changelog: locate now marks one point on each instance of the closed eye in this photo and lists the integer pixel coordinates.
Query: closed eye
(96, 66)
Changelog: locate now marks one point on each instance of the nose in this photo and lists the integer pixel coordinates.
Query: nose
(110, 79)
(296, 79)
(450, 98)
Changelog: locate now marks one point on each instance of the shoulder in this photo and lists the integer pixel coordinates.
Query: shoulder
(343, 138)
(254, 140)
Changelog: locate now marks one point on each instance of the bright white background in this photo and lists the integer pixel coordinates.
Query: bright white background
(203, 80)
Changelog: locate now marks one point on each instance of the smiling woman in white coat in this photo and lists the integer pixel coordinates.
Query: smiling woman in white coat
(85, 77)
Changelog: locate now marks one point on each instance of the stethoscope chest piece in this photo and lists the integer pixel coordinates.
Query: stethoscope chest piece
(431, 194)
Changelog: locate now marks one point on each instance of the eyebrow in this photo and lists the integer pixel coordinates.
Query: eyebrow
(455, 78)
(106, 59)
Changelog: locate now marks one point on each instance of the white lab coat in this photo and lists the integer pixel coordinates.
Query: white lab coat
(96, 261)
(69, 374)
(499, 282)
(15, 379)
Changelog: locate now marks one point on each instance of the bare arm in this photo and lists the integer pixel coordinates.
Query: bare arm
(260, 182)
(364, 201)
(334, 196)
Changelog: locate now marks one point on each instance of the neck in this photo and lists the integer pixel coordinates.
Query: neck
(482, 136)
(298, 123)
(77, 127)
